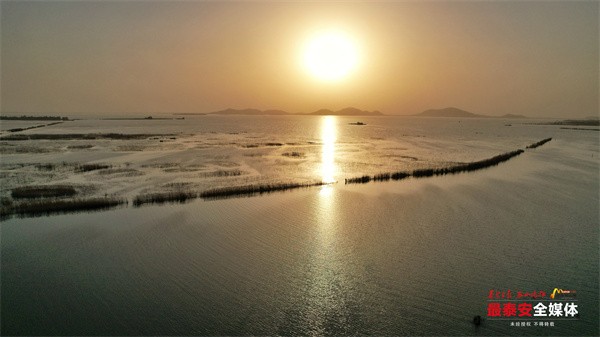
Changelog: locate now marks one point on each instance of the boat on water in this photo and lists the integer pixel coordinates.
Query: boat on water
(357, 123)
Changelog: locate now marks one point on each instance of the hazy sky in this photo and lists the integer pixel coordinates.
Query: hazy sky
(532, 58)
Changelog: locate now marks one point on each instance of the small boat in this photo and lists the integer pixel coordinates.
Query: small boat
(357, 123)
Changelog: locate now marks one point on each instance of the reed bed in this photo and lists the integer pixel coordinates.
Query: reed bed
(581, 129)
(293, 154)
(540, 143)
(79, 136)
(45, 167)
(223, 173)
(34, 118)
(248, 190)
(253, 145)
(91, 167)
(82, 146)
(429, 172)
(161, 198)
(32, 127)
(39, 207)
(50, 191)
(358, 180)
(588, 122)
(378, 177)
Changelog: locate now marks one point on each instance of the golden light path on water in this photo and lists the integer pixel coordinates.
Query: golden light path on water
(326, 305)
(328, 137)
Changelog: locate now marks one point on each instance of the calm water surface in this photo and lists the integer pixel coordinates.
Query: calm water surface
(415, 257)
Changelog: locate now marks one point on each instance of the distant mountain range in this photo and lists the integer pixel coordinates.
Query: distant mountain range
(346, 112)
(251, 112)
(322, 112)
(350, 111)
(455, 112)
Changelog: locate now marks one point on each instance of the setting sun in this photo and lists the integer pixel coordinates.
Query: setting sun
(330, 56)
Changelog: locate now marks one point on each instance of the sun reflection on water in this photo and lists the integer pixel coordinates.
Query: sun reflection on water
(328, 137)
(328, 285)
(326, 191)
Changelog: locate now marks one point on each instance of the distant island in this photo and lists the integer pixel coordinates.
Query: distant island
(350, 111)
(456, 112)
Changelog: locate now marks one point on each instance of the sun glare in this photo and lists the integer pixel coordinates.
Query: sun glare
(330, 56)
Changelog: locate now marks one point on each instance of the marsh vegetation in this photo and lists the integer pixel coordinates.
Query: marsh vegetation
(32, 127)
(218, 161)
(34, 118)
(580, 129)
(87, 136)
(540, 143)
(160, 198)
(50, 206)
(91, 167)
(80, 147)
(247, 190)
(293, 154)
(428, 172)
(50, 191)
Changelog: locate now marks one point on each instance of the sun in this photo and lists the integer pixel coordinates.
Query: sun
(330, 56)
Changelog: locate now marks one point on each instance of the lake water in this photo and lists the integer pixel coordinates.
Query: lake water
(413, 257)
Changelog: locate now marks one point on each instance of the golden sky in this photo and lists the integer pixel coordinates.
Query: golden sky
(125, 57)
